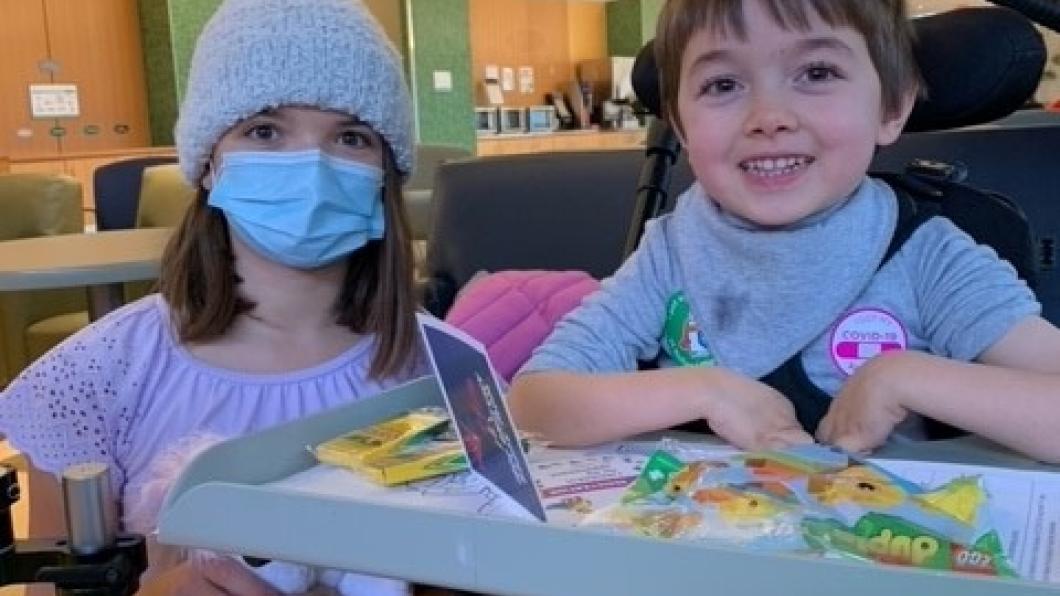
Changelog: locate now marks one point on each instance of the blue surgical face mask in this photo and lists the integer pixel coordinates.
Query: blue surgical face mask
(303, 209)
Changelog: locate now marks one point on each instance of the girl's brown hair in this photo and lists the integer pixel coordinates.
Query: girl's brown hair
(883, 23)
(199, 281)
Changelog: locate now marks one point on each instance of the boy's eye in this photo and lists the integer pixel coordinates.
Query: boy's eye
(262, 132)
(719, 86)
(820, 73)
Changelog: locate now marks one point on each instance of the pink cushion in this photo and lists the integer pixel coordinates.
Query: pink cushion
(512, 312)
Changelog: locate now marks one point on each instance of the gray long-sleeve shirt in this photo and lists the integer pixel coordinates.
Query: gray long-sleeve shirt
(941, 293)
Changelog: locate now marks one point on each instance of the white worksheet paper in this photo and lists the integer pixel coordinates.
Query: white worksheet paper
(1024, 508)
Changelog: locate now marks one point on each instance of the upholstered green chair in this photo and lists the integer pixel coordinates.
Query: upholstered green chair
(32, 205)
(164, 196)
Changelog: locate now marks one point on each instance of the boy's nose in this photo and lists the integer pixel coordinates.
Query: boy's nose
(769, 118)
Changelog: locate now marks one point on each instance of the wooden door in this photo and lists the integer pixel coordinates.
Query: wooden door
(389, 15)
(23, 50)
(97, 47)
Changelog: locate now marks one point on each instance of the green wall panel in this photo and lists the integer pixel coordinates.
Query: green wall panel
(624, 28)
(169, 29)
(630, 24)
(158, 67)
(186, 20)
(441, 42)
(649, 16)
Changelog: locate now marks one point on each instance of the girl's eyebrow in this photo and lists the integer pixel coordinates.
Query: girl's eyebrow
(268, 114)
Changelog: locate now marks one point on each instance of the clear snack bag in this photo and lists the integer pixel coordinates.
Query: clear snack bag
(812, 498)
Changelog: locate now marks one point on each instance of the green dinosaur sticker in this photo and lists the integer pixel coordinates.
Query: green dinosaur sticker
(658, 470)
(682, 338)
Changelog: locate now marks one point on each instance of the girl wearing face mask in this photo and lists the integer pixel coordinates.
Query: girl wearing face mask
(286, 290)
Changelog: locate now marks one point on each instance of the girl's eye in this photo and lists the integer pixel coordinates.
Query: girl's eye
(355, 138)
(719, 86)
(262, 132)
(820, 73)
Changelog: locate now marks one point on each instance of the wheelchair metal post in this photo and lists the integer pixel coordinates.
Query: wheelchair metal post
(662, 151)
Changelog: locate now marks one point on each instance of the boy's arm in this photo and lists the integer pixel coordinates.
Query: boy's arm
(1011, 395)
(574, 409)
(581, 376)
(618, 324)
(577, 409)
(579, 387)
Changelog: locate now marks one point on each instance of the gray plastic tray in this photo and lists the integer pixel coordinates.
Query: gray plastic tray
(223, 502)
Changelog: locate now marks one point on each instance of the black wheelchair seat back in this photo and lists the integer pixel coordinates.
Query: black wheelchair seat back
(1017, 162)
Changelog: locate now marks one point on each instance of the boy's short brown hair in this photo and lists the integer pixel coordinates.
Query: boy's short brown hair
(884, 24)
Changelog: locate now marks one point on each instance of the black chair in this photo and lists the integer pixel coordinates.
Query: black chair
(117, 190)
(536, 211)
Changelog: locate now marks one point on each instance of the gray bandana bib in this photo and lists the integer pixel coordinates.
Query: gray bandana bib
(760, 296)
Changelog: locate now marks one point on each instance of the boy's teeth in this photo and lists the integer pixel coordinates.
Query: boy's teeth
(773, 166)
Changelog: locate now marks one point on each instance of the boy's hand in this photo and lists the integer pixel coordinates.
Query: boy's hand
(752, 415)
(868, 406)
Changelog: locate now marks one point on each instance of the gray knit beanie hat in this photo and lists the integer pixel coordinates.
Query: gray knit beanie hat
(258, 54)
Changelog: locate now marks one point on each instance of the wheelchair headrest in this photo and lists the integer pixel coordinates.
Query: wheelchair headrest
(978, 65)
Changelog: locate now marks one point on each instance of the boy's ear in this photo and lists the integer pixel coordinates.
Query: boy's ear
(893, 124)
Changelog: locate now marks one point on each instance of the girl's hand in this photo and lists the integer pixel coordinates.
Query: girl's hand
(752, 415)
(869, 405)
(213, 576)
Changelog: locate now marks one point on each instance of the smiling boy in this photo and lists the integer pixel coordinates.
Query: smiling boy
(776, 257)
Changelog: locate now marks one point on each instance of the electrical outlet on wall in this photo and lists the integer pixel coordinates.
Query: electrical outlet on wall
(443, 80)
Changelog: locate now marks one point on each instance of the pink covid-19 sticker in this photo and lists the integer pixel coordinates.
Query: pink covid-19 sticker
(864, 333)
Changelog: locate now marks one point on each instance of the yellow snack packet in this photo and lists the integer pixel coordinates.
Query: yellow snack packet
(419, 460)
(357, 448)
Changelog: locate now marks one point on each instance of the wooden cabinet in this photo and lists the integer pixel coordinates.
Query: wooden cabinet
(92, 44)
(390, 15)
(23, 47)
(96, 45)
(587, 140)
(549, 36)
